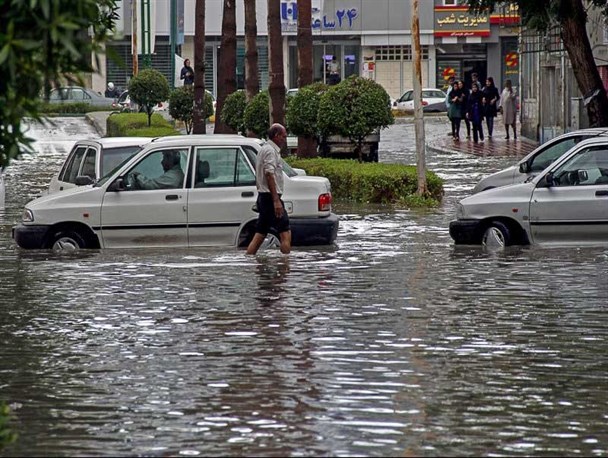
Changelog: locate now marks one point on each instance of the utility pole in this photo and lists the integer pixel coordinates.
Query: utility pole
(173, 39)
(418, 113)
(134, 36)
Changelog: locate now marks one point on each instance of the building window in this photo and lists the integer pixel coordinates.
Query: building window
(450, 2)
(399, 53)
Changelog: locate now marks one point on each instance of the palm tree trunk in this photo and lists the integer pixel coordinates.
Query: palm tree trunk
(307, 146)
(573, 19)
(276, 87)
(227, 65)
(198, 115)
(252, 80)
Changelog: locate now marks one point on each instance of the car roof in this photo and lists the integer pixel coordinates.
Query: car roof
(208, 139)
(108, 142)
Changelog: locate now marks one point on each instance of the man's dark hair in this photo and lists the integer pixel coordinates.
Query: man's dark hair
(173, 156)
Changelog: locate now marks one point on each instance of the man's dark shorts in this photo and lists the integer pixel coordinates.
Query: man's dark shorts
(267, 218)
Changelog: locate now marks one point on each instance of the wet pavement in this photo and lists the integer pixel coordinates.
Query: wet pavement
(393, 342)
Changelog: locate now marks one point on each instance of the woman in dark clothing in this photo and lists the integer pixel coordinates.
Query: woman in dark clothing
(455, 110)
(187, 73)
(491, 96)
(475, 113)
(465, 100)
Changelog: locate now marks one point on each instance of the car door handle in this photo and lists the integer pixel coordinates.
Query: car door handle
(247, 194)
(172, 197)
(601, 193)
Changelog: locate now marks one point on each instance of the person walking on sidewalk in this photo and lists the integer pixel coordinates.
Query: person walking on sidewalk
(508, 105)
(465, 101)
(490, 100)
(455, 110)
(187, 73)
(475, 113)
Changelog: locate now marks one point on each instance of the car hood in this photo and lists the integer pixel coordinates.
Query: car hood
(61, 196)
(503, 177)
(510, 193)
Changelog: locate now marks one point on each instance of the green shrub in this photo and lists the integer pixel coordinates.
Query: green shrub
(124, 124)
(256, 116)
(354, 108)
(7, 436)
(373, 182)
(72, 108)
(234, 109)
(149, 88)
(303, 109)
(181, 106)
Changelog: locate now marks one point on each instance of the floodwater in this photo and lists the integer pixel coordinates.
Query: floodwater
(393, 342)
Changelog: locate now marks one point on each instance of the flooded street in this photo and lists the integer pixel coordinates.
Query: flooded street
(393, 342)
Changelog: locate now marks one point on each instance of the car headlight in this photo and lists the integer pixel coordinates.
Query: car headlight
(28, 216)
(460, 211)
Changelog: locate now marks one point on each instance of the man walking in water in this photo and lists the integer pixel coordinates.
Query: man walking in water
(269, 183)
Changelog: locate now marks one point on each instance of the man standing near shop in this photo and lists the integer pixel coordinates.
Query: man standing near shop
(269, 183)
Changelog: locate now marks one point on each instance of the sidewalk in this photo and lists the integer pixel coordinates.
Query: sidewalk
(495, 146)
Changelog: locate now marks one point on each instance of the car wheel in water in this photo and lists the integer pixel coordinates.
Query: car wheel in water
(67, 241)
(496, 235)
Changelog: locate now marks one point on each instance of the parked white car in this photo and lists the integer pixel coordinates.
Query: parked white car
(567, 203)
(204, 198)
(433, 100)
(89, 160)
(538, 160)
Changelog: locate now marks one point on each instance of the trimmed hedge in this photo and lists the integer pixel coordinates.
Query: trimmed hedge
(136, 125)
(72, 108)
(373, 182)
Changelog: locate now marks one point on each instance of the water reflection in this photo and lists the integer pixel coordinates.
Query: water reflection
(393, 342)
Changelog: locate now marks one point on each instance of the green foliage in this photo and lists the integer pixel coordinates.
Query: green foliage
(354, 108)
(42, 43)
(538, 15)
(7, 436)
(72, 108)
(233, 111)
(373, 182)
(136, 124)
(303, 110)
(256, 116)
(148, 88)
(181, 104)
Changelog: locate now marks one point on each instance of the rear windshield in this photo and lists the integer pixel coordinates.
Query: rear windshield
(252, 155)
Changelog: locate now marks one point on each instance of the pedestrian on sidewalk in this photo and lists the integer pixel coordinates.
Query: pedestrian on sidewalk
(465, 101)
(508, 105)
(455, 110)
(490, 101)
(475, 113)
(187, 73)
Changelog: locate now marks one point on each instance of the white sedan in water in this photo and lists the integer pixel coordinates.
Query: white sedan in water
(433, 100)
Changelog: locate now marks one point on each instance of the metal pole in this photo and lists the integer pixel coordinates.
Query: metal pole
(173, 39)
(418, 113)
(134, 36)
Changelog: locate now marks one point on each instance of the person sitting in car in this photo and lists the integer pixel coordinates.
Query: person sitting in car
(171, 179)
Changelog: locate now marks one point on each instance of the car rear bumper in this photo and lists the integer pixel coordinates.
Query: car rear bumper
(466, 231)
(314, 231)
(30, 237)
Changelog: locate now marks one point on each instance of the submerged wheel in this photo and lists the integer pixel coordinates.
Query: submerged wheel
(67, 240)
(496, 234)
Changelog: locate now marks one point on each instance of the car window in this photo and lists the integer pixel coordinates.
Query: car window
(111, 157)
(433, 94)
(88, 164)
(219, 167)
(406, 97)
(252, 156)
(76, 94)
(70, 172)
(588, 167)
(546, 157)
(161, 169)
(59, 94)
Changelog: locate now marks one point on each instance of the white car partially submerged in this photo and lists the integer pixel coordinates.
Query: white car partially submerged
(210, 204)
(539, 159)
(89, 160)
(565, 204)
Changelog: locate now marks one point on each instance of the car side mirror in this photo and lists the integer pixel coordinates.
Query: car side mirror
(83, 180)
(524, 167)
(117, 185)
(550, 179)
(583, 176)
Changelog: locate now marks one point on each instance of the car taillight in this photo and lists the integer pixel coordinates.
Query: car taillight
(325, 202)
(424, 103)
